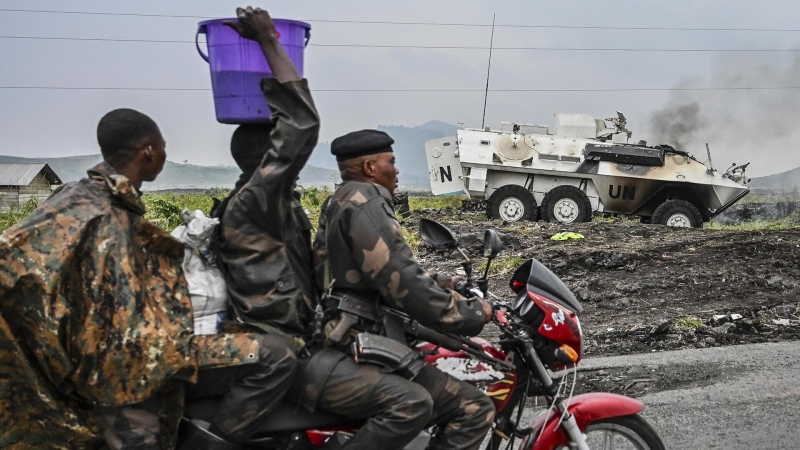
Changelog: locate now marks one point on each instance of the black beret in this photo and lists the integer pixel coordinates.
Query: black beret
(361, 143)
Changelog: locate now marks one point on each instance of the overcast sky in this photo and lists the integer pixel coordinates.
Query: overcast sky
(54, 123)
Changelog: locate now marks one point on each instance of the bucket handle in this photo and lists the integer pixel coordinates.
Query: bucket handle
(308, 37)
(200, 29)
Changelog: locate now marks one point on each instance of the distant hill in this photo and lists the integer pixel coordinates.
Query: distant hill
(786, 181)
(174, 176)
(321, 169)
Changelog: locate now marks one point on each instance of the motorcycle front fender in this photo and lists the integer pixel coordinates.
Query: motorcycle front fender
(586, 408)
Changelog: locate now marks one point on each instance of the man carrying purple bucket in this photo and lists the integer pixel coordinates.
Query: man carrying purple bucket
(264, 247)
(265, 250)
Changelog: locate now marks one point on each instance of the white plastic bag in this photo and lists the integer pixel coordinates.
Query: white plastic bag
(207, 287)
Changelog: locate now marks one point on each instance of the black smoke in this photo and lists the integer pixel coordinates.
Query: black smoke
(741, 125)
(677, 124)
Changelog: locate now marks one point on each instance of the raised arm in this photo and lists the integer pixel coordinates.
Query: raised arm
(295, 120)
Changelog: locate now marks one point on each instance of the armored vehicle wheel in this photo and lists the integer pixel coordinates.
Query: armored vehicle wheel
(511, 203)
(677, 213)
(566, 204)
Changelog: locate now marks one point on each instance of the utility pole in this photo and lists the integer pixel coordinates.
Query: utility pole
(488, 71)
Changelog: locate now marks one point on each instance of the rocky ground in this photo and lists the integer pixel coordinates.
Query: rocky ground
(648, 288)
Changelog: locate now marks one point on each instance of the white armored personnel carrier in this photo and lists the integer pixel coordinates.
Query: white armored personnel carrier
(524, 172)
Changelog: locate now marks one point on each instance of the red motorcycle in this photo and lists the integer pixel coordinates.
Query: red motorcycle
(539, 330)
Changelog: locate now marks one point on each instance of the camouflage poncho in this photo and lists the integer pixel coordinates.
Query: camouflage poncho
(94, 310)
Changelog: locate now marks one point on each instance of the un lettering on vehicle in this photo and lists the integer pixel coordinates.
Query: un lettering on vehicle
(624, 191)
(444, 168)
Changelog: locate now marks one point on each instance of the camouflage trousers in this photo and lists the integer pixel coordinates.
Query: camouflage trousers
(398, 409)
(149, 425)
(132, 427)
(250, 391)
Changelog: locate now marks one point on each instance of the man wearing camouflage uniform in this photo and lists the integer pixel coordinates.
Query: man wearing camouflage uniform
(265, 247)
(361, 247)
(95, 317)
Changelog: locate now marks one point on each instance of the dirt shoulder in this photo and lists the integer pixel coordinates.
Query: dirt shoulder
(648, 288)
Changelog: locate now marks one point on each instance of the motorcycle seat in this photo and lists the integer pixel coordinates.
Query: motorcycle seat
(286, 417)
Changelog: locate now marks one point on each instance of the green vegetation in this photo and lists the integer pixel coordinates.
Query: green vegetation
(501, 265)
(312, 202)
(16, 213)
(789, 223)
(165, 209)
(413, 239)
(690, 323)
(772, 196)
(440, 202)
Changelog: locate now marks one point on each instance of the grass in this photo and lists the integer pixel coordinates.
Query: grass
(772, 197)
(789, 223)
(16, 213)
(412, 239)
(440, 202)
(312, 203)
(165, 209)
(690, 323)
(500, 266)
(613, 218)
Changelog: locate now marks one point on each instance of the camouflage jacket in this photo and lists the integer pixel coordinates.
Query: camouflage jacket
(265, 248)
(368, 255)
(94, 310)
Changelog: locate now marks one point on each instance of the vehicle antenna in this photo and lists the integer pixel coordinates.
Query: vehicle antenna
(488, 70)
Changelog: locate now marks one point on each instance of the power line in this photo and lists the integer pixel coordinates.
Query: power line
(77, 88)
(47, 38)
(94, 13)
(384, 22)
(440, 47)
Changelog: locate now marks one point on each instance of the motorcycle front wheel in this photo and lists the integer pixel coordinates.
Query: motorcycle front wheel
(622, 433)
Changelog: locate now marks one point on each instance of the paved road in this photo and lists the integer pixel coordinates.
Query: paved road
(750, 398)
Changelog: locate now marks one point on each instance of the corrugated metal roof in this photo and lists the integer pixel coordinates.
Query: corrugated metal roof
(21, 174)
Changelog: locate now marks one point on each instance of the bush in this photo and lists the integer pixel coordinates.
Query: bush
(17, 213)
(312, 199)
(436, 202)
(165, 209)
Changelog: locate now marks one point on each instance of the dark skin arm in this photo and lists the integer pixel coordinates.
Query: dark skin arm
(257, 25)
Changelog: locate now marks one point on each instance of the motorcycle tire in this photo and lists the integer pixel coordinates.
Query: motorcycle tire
(633, 429)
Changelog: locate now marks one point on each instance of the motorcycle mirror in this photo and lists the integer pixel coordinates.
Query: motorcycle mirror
(491, 244)
(437, 234)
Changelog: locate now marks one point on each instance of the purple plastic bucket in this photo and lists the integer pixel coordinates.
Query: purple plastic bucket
(238, 65)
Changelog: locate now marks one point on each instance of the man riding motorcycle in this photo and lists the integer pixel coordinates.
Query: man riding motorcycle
(265, 251)
(361, 255)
